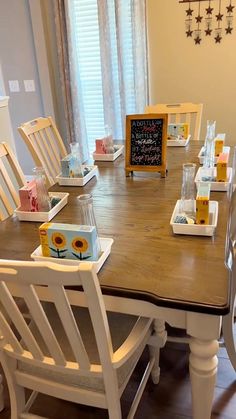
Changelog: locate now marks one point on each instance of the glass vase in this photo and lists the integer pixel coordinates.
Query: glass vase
(43, 198)
(209, 153)
(87, 215)
(187, 202)
(76, 169)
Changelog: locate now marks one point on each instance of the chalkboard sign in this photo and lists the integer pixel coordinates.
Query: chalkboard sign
(146, 137)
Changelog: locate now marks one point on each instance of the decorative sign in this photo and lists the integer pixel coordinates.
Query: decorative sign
(146, 138)
(208, 20)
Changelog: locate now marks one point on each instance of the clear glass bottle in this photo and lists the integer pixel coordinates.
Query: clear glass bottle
(87, 215)
(187, 203)
(209, 153)
(108, 140)
(76, 169)
(43, 198)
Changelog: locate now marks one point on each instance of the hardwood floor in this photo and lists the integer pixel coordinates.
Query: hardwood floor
(170, 399)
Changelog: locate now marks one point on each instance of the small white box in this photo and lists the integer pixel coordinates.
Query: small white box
(44, 216)
(215, 186)
(109, 157)
(196, 229)
(106, 244)
(226, 149)
(78, 181)
(178, 143)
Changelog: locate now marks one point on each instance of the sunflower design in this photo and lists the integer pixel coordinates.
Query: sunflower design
(58, 240)
(80, 244)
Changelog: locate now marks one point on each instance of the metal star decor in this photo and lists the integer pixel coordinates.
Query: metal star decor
(209, 10)
(219, 16)
(199, 18)
(189, 33)
(228, 30)
(189, 11)
(208, 31)
(214, 20)
(230, 8)
(197, 40)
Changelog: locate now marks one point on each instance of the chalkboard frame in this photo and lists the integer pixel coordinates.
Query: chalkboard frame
(129, 168)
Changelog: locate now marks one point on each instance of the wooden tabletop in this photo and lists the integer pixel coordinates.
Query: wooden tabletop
(147, 260)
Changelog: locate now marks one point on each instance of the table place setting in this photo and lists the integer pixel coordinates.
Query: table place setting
(36, 203)
(72, 244)
(178, 135)
(106, 150)
(73, 172)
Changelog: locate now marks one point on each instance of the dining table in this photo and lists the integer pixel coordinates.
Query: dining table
(176, 279)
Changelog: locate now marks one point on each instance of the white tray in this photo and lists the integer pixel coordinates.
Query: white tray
(44, 216)
(226, 149)
(178, 143)
(106, 244)
(215, 186)
(196, 229)
(109, 157)
(77, 181)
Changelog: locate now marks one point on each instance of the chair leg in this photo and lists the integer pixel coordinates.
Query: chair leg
(228, 335)
(157, 342)
(17, 393)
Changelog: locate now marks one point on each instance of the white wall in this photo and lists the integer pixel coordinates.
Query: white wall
(181, 71)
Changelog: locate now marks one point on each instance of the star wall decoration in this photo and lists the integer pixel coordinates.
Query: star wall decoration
(218, 38)
(230, 8)
(228, 30)
(219, 16)
(189, 11)
(208, 31)
(199, 18)
(197, 40)
(189, 33)
(209, 10)
(212, 21)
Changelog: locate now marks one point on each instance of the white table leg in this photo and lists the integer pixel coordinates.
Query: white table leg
(157, 342)
(203, 368)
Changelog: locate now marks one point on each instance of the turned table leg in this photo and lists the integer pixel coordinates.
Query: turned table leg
(203, 369)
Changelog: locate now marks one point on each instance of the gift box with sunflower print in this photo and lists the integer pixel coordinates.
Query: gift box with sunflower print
(69, 241)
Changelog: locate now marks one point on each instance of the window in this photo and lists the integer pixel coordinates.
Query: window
(87, 27)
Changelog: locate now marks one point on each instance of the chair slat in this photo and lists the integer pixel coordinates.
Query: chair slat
(11, 188)
(6, 203)
(19, 322)
(19, 175)
(9, 335)
(72, 332)
(43, 151)
(50, 152)
(38, 314)
(56, 154)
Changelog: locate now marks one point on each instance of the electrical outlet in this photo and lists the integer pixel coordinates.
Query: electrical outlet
(14, 85)
(29, 85)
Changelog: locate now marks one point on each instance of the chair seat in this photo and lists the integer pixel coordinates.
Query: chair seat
(120, 327)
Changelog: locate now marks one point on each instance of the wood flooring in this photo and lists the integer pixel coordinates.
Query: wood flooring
(170, 399)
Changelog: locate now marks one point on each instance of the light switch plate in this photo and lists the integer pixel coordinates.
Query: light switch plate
(29, 85)
(14, 85)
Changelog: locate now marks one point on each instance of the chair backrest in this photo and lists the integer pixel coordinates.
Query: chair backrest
(36, 282)
(181, 112)
(11, 179)
(45, 145)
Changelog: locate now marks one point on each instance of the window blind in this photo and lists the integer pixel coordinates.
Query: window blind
(87, 49)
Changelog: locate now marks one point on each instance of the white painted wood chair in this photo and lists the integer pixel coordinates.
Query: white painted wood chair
(181, 112)
(11, 179)
(45, 145)
(71, 353)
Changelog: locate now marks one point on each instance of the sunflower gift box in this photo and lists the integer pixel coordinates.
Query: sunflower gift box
(69, 241)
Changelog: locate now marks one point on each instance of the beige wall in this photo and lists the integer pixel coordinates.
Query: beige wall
(181, 71)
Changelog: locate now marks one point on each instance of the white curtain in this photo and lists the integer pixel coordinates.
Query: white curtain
(121, 31)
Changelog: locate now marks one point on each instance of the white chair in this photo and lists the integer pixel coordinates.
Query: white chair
(11, 179)
(181, 112)
(70, 353)
(45, 145)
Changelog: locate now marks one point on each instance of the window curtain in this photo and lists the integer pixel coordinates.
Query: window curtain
(70, 80)
(123, 57)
